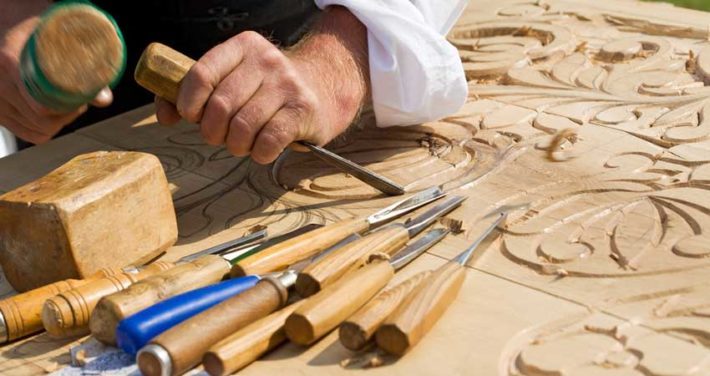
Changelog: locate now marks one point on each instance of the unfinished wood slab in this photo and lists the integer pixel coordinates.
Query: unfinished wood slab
(603, 266)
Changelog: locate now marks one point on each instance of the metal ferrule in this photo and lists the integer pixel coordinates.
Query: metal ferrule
(3, 329)
(161, 355)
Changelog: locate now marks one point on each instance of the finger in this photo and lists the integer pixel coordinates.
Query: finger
(103, 99)
(166, 112)
(14, 123)
(205, 75)
(40, 118)
(276, 135)
(245, 125)
(229, 97)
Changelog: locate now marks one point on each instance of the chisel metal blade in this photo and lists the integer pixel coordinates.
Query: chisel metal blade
(415, 249)
(227, 246)
(370, 178)
(416, 225)
(401, 207)
(491, 230)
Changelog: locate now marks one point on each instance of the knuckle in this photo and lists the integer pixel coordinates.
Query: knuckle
(201, 74)
(273, 58)
(220, 104)
(249, 37)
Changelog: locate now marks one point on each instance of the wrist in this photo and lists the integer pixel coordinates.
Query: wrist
(333, 57)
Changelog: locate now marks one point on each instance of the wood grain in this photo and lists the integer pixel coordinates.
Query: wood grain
(191, 275)
(350, 257)
(618, 225)
(355, 332)
(248, 344)
(79, 216)
(161, 70)
(67, 313)
(282, 255)
(325, 310)
(22, 313)
(421, 310)
(189, 341)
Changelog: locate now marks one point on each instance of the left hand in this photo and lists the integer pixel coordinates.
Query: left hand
(256, 99)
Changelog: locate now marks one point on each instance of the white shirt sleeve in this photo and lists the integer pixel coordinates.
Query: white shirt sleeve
(416, 74)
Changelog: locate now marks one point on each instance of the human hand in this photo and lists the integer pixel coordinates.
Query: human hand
(257, 99)
(19, 112)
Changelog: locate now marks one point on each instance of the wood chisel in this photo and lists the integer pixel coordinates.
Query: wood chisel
(422, 308)
(182, 347)
(249, 343)
(21, 314)
(203, 271)
(67, 313)
(289, 252)
(386, 240)
(137, 330)
(325, 310)
(161, 70)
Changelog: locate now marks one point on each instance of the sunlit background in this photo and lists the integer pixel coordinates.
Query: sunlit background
(696, 4)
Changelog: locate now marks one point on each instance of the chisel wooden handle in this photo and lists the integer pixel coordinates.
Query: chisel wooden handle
(421, 309)
(357, 331)
(67, 313)
(22, 313)
(114, 308)
(161, 70)
(350, 257)
(325, 310)
(286, 253)
(187, 342)
(248, 344)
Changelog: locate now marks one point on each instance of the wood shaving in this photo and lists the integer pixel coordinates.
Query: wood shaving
(454, 225)
(556, 145)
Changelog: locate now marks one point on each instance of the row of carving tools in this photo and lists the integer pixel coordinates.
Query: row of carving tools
(300, 286)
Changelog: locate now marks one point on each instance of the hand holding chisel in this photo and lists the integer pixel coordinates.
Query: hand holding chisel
(421, 309)
(162, 69)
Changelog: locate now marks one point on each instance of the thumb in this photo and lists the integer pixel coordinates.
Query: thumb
(103, 99)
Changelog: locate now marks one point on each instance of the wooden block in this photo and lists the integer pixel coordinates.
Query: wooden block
(102, 209)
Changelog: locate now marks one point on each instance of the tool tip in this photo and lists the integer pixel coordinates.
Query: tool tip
(154, 360)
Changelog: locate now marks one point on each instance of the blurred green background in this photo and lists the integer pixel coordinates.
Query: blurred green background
(696, 4)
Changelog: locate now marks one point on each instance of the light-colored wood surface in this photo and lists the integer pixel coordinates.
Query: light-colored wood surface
(606, 271)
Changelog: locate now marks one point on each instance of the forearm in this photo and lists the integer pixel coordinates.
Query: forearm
(335, 52)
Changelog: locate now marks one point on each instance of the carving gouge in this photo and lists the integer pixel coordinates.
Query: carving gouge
(181, 348)
(421, 309)
(161, 69)
(21, 315)
(138, 329)
(386, 240)
(325, 310)
(289, 252)
(67, 313)
(205, 270)
(248, 344)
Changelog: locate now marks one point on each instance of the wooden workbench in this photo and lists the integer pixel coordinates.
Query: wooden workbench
(594, 113)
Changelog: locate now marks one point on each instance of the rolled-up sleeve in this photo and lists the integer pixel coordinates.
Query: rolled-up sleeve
(416, 75)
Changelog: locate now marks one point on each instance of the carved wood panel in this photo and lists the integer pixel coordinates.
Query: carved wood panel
(588, 117)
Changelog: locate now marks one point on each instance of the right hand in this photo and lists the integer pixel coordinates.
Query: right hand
(19, 112)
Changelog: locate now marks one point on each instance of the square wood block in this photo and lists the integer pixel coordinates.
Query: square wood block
(99, 210)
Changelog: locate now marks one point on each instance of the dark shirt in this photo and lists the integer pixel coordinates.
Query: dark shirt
(192, 27)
